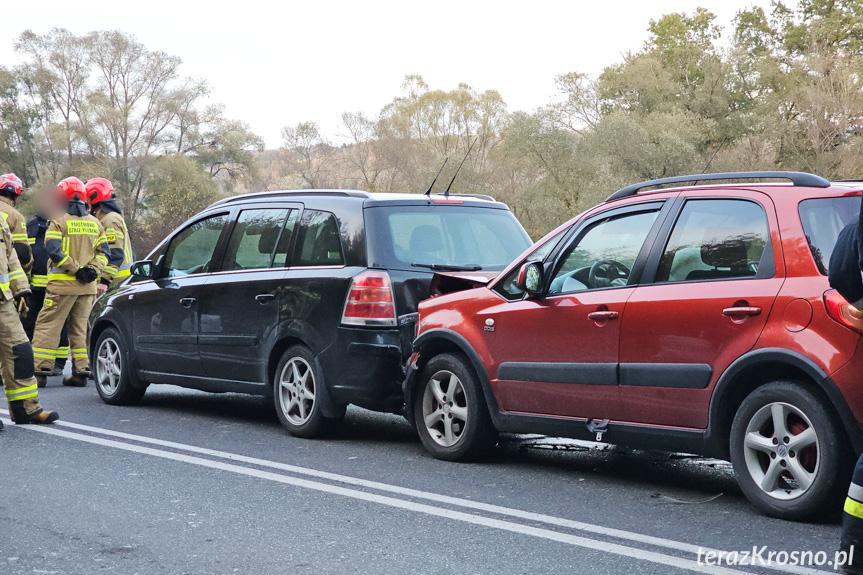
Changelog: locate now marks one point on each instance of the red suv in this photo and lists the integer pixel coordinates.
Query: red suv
(694, 319)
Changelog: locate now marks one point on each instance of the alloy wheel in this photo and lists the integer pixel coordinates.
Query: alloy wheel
(781, 450)
(444, 408)
(297, 391)
(109, 366)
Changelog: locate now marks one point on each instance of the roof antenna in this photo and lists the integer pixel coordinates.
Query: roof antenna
(446, 192)
(428, 193)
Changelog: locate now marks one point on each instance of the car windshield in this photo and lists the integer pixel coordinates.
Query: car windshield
(823, 219)
(443, 238)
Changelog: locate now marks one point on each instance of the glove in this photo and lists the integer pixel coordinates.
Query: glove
(86, 275)
(22, 301)
(105, 282)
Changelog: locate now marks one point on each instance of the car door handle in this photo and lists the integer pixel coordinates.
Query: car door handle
(741, 311)
(603, 315)
(264, 298)
(187, 302)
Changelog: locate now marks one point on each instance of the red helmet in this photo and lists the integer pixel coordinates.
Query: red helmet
(11, 183)
(99, 190)
(73, 187)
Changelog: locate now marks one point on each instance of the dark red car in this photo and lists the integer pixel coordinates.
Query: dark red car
(696, 319)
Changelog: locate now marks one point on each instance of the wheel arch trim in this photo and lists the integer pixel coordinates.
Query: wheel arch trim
(463, 345)
(725, 386)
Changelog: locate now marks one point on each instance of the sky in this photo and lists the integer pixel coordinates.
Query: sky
(274, 63)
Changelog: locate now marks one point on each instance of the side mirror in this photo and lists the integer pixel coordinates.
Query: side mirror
(530, 278)
(144, 269)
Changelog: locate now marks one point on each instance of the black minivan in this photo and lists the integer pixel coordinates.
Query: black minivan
(308, 296)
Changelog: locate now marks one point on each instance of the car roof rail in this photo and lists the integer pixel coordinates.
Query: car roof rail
(278, 193)
(797, 179)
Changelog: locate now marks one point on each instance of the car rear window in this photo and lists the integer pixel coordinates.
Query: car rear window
(823, 219)
(413, 237)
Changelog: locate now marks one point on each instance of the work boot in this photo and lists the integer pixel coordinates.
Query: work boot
(41, 381)
(76, 380)
(58, 369)
(1, 426)
(40, 416)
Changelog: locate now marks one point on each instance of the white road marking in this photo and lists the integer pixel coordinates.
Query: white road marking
(417, 494)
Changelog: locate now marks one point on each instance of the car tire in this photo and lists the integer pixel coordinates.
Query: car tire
(796, 474)
(296, 395)
(451, 416)
(111, 370)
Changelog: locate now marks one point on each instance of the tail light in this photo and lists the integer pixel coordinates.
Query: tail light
(841, 311)
(370, 301)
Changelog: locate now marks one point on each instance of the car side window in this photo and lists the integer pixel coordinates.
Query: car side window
(604, 255)
(191, 251)
(319, 242)
(254, 239)
(715, 239)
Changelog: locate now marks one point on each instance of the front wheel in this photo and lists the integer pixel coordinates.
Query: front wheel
(450, 412)
(297, 394)
(112, 371)
(789, 454)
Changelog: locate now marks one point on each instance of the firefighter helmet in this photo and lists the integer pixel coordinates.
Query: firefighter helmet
(99, 190)
(73, 188)
(11, 183)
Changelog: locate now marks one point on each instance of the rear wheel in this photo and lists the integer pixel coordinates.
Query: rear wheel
(450, 412)
(789, 454)
(297, 395)
(112, 371)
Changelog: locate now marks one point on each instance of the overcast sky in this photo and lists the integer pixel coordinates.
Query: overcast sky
(279, 63)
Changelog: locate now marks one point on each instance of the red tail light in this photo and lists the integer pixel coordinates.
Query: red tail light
(370, 301)
(840, 310)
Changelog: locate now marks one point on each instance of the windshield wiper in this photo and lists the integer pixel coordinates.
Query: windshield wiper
(446, 268)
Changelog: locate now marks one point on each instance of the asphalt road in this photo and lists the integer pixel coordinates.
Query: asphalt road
(197, 483)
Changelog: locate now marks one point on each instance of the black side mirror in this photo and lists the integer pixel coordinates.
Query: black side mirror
(530, 278)
(144, 269)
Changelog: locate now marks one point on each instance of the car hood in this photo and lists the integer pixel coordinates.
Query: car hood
(449, 282)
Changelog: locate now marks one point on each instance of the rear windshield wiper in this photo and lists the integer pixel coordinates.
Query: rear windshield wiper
(446, 268)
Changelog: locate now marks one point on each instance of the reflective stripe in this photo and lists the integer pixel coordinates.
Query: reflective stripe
(4, 286)
(17, 274)
(63, 261)
(23, 393)
(61, 277)
(52, 235)
(856, 492)
(111, 269)
(4, 278)
(40, 280)
(100, 240)
(20, 238)
(45, 355)
(854, 508)
(63, 353)
(123, 273)
(102, 258)
(31, 241)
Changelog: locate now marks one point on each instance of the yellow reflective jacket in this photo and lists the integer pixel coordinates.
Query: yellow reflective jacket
(119, 245)
(13, 280)
(18, 226)
(74, 242)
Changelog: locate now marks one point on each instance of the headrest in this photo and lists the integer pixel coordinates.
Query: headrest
(426, 239)
(267, 240)
(723, 251)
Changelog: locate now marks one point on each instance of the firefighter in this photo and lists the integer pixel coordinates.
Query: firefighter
(16, 354)
(103, 205)
(10, 191)
(846, 278)
(48, 207)
(77, 252)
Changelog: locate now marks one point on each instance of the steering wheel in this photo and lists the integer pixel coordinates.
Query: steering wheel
(605, 272)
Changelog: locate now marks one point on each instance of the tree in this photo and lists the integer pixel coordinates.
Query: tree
(310, 153)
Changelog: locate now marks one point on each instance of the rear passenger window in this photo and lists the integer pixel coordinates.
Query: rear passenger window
(716, 239)
(319, 242)
(255, 237)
